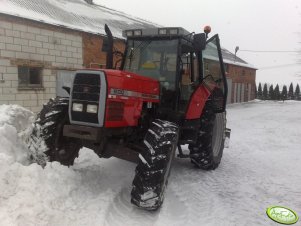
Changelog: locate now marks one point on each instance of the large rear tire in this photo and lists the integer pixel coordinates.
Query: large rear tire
(47, 142)
(153, 169)
(208, 150)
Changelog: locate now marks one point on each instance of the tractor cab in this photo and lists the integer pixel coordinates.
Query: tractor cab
(180, 61)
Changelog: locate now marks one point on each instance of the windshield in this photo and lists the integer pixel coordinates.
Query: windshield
(155, 59)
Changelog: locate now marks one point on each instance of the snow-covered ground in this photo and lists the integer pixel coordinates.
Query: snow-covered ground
(262, 167)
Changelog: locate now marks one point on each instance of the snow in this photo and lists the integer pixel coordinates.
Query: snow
(156, 135)
(149, 147)
(51, 113)
(143, 160)
(14, 129)
(261, 168)
(230, 61)
(74, 14)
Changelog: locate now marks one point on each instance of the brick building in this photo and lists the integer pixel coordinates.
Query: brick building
(41, 44)
(241, 78)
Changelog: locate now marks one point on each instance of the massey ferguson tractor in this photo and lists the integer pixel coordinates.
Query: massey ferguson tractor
(170, 90)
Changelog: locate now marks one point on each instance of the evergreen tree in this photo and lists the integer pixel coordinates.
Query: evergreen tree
(277, 93)
(271, 93)
(290, 94)
(297, 93)
(284, 93)
(259, 92)
(265, 92)
(256, 95)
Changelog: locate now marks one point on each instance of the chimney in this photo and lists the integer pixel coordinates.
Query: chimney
(89, 2)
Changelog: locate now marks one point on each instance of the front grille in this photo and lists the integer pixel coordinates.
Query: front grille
(86, 90)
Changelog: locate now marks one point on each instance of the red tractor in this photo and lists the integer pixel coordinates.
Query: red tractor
(170, 90)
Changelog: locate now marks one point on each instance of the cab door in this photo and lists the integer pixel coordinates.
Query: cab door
(214, 76)
(188, 78)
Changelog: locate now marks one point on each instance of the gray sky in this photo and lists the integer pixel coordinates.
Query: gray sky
(271, 25)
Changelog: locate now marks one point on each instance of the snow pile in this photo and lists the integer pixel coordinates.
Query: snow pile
(261, 168)
(15, 128)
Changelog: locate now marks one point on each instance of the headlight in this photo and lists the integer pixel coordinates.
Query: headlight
(92, 108)
(77, 107)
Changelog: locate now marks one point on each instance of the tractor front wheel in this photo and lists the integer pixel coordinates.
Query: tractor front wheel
(153, 169)
(47, 142)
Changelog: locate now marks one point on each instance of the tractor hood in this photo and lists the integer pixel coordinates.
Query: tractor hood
(128, 84)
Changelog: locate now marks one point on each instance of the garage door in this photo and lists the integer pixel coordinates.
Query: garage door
(229, 82)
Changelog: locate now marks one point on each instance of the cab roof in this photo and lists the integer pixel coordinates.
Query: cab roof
(158, 31)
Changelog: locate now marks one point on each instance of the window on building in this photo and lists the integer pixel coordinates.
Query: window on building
(30, 77)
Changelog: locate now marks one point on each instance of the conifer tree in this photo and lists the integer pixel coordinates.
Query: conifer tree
(290, 94)
(265, 92)
(259, 92)
(297, 93)
(277, 93)
(284, 93)
(271, 93)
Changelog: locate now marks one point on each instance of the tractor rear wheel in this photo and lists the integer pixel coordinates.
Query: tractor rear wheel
(47, 142)
(153, 169)
(208, 150)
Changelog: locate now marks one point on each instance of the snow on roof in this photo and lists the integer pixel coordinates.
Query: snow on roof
(74, 14)
(228, 57)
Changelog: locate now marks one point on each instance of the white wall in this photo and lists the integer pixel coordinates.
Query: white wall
(55, 50)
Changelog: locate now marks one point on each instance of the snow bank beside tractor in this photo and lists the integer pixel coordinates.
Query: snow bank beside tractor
(32, 195)
(15, 128)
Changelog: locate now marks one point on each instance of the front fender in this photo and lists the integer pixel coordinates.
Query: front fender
(197, 102)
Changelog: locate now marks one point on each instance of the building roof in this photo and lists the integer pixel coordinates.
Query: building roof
(74, 14)
(230, 58)
(82, 16)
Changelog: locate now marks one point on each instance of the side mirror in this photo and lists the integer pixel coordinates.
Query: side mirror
(199, 42)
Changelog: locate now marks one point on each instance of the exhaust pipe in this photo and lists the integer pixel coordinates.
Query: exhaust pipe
(109, 61)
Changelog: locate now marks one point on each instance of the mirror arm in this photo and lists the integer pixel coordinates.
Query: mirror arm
(67, 89)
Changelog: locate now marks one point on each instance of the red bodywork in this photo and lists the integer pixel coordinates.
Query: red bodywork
(126, 94)
(197, 102)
